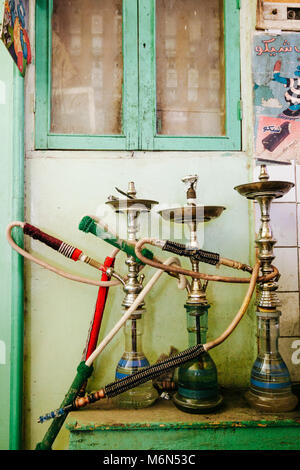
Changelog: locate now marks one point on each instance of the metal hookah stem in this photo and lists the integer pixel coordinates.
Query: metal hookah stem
(197, 297)
(265, 242)
(198, 329)
(133, 335)
(132, 228)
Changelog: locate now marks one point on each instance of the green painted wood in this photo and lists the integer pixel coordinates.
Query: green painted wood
(6, 123)
(41, 78)
(130, 77)
(85, 142)
(220, 436)
(11, 264)
(17, 279)
(147, 75)
(47, 140)
(149, 140)
(232, 70)
(195, 143)
(235, 426)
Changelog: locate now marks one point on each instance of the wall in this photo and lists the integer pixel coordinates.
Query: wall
(61, 187)
(6, 120)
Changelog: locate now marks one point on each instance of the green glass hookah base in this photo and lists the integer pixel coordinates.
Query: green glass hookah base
(198, 390)
(194, 406)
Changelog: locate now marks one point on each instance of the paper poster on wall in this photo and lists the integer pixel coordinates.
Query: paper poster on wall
(14, 32)
(276, 79)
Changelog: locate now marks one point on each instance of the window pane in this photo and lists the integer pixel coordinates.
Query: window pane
(87, 67)
(190, 67)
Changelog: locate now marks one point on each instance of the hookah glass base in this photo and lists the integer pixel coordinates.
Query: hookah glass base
(132, 360)
(198, 387)
(198, 380)
(270, 386)
(138, 397)
(270, 403)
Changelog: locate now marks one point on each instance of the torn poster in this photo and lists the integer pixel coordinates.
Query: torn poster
(14, 32)
(276, 83)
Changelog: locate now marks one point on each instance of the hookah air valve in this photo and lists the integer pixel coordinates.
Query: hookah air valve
(191, 184)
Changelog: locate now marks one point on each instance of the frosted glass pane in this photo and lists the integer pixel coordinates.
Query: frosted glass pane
(87, 67)
(190, 67)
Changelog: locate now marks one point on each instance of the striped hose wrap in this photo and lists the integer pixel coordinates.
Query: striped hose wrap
(200, 255)
(66, 250)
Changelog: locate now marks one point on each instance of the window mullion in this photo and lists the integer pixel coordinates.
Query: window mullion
(41, 64)
(147, 81)
(130, 83)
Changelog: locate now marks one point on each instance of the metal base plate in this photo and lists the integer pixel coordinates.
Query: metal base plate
(264, 188)
(189, 214)
(135, 205)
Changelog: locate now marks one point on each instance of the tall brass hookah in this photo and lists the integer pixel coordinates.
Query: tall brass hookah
(133, 357)
(270, 384)
(198, 390)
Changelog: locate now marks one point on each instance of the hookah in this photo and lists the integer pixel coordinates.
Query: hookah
(133, 358)
(197, 380)
(91, 352)
(74, 399)
(270, 385)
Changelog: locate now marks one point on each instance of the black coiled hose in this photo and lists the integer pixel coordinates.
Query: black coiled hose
(116, 388)
(199, 255)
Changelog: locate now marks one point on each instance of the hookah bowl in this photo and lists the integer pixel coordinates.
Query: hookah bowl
(270, 384)
(133, 357)
(198, 390)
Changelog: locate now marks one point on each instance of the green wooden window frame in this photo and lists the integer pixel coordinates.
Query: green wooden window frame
(139, 87)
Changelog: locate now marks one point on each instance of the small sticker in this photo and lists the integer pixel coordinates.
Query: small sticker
(2, 352)
(2, 92)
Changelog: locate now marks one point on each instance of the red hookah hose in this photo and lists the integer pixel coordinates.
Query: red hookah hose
(99, 310)
(73, 253)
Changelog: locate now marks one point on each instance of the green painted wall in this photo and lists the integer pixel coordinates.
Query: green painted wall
(59, 191)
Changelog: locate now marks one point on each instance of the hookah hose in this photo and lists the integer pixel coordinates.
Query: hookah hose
(201, 255)
(89, 225)
(99, 309)
(150, 372)
(58, 245)
(85, 368)
(79, 383)
(83, 371)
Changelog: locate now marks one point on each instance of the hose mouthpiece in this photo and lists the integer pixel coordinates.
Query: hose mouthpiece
(52, 415)
(87, 224)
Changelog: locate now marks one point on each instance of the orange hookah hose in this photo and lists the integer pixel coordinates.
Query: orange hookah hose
(240, 313)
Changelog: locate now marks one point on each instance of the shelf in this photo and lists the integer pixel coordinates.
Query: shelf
(162, 426)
